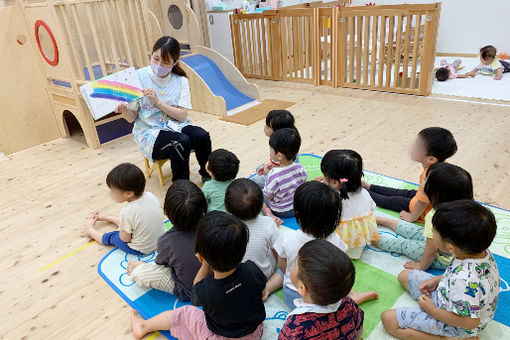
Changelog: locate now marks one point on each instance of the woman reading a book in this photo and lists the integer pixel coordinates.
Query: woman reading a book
(162, 128)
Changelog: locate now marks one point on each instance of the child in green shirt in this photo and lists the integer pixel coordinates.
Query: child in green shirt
(222, 166)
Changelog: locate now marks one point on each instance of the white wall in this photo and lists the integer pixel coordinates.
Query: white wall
(465, 26)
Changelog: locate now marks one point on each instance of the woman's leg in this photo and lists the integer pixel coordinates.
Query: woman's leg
(201, 143)
(176, 146)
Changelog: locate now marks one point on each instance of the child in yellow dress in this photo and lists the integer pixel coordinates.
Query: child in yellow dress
(343, 170)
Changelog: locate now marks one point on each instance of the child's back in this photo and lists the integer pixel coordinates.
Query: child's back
(143, 219)
(281, 184)
(222, 166)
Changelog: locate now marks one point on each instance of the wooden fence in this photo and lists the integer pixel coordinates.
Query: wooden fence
(384, 48)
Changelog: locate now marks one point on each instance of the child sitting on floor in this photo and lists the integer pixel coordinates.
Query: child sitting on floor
(343, 170)
(275, 120)
(222, 166)
(433, 144)
(445, 183)
(244, 199)
(461, 302)
(323, 276)
(489, 65)
(230, 292)
(176, 265)
(318, 211)
(141, 220)
(283, 180)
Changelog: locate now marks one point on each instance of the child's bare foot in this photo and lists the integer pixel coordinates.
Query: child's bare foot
(138, 325)
(89, 225)
(132, 265)
(365, 185)
(359, 298)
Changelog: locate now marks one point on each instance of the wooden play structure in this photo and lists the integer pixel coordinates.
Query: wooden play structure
(383, 48)
(76, 41)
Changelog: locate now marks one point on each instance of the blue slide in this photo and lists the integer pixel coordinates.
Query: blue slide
(216, 80)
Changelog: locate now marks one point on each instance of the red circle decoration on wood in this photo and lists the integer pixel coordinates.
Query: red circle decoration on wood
(41, 24)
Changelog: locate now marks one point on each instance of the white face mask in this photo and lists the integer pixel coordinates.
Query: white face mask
(161, 71)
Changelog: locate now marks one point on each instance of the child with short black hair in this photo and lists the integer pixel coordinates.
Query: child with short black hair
(343, 170)
(275, 120)
(175, 265)
(432, 145)
(324, 276)
(244, 199)
(283, 180)
(489, 65)
(461, 302)
(318, 209)
(445, 183)
(230, 292)
(141, 220)
(222, 166)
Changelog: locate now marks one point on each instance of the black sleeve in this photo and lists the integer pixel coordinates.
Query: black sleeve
(163, 257)
(258, 276)
(195, 294)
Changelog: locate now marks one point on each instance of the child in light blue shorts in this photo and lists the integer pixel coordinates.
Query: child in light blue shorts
(461, 302)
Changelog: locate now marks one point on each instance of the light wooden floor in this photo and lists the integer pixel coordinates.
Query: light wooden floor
(47, 192)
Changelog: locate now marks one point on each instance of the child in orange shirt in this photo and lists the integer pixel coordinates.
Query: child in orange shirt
(433, 144)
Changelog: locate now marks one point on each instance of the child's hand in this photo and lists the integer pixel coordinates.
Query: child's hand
(404, 215)
(122, 108)
(151, 94)
(365, 185)
(498, 77)
(428, 286)
(413, 265)
(91, 220)
(267, 167)
(426, 303)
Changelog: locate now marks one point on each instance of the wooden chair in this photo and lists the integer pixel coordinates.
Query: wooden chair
(157, 166)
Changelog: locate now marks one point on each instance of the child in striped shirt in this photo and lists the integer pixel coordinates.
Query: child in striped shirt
(283, 180)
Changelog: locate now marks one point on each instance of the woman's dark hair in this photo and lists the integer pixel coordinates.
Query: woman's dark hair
(488, 52)
(184, 205)
(439, 142)
(287, 141)
(126, 177)
(442, 73)
(344, 166)
(170, 48)
(326, 271)
(221, 240)
(223, 164)
(446, 183)
(466, 224)
(279, 119)
(317, 208)
(244, 199)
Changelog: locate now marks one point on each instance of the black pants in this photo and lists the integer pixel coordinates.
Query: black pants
(506, 66)
(391, 198)
(178, 145)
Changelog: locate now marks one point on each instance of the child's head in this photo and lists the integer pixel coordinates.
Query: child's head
(487, 54)
(285, 144)
(463, 227)
(342, 170)
(317, 208)
(433, 144)
(442, 73)
(185, 205)
(323, 273)
(126, 182)
(244, 199)
(221, 240)
(278, 119)
(222, 165)
(446, 183)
